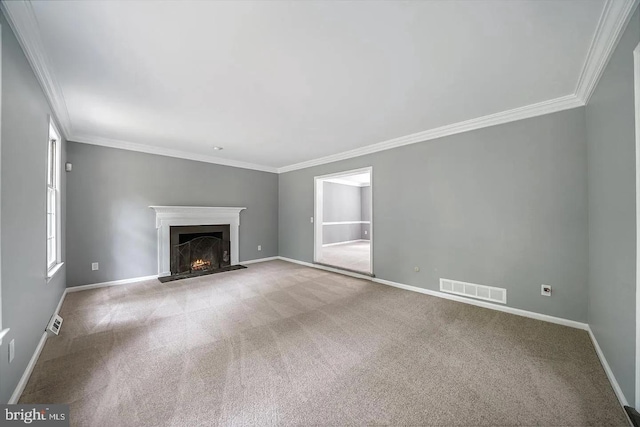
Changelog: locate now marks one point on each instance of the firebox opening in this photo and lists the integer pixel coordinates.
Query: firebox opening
(185, 237)
(199, 249)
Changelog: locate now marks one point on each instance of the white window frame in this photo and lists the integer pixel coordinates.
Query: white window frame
(3, 332)
(636, 84)
(53, 260)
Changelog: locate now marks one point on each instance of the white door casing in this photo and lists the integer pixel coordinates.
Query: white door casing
(318, 208)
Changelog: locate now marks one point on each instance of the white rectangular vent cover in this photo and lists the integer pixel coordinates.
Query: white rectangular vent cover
(488, 293)
(54, 325)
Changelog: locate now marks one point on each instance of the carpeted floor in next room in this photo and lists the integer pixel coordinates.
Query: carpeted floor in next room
(282, 344)
(354, 256)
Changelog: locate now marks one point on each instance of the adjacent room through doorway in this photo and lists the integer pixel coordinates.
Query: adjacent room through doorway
(343, 220)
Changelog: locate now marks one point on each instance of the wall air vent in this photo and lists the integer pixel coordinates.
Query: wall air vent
(472, 290)
(54, 325)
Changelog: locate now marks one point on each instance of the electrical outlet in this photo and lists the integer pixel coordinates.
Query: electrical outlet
(366, 232)
(259, 247)
(416, 269)
(311, 220)
(94, 266)
(546, 290)
(12, 350)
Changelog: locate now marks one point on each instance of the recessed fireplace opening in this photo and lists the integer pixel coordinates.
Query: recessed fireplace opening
(197, 250)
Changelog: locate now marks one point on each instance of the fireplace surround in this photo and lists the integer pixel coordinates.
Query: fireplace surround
(182, 216)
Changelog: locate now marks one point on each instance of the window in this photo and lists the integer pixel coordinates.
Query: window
(53, 202)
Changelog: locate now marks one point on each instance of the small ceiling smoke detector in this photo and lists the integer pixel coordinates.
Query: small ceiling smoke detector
(217, 148)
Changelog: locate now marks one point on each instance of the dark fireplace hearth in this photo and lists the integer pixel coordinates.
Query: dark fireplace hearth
(197, 250)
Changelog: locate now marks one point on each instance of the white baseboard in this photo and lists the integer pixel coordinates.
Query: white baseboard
(254, 261)
(324, 267)
(112, 283)
(59, 306)
(510, 310)
(552, 319)
(17, 392)
(36, 354)
(345, 242)
(27, 372)
(503, 308)
(608, 371)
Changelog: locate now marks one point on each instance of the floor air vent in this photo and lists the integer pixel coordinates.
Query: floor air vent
(54, 325)
(488, 293)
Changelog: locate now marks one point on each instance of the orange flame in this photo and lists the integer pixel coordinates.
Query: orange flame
(200, 264)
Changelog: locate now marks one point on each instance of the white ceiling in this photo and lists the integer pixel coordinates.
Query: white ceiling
(278, 83)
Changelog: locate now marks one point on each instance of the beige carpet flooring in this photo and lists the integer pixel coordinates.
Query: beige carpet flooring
(352, 256)
(282, 344)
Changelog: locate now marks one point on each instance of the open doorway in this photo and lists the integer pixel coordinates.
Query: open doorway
(343, 235)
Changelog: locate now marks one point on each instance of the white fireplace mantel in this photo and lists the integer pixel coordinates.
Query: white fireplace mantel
(167, 216)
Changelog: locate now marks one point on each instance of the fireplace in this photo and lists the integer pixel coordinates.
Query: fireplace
(170, 217)
(199, 249)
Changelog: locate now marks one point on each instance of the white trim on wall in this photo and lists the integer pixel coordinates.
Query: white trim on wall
(169, 152)
(497, 307)
(607, 369)
(318, 202)
(168, 216)
(505, 309)
(344, 243)
(483, 304)
(326, 268)
(258, 260)
(636, 62)
(23, 21)
(613, 20)
(615, 16)
(3, 332)
(318, 218)
(538, 316)
(346, 222)
(110, 283)
(528, 111)
(24, 379)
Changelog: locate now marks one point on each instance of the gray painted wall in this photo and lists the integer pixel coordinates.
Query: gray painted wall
(503, 206)
(341, 203)
(110, 221)
(612, 222)
(341, 233)
(28, 301)
(365, 203)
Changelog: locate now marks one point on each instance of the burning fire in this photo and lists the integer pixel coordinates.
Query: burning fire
(200, 264)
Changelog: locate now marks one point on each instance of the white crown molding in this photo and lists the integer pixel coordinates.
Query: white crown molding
(149, 149)
(533, 110)
(614, 19)
(615, 16)
(24, 24)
